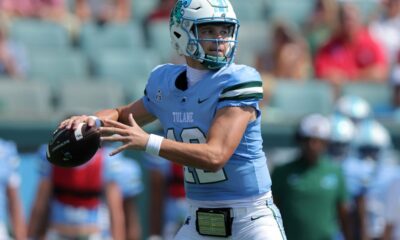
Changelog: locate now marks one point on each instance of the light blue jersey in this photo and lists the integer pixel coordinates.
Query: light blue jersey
(371, 179)
(8, 173)
(187, 115)
(126, 173)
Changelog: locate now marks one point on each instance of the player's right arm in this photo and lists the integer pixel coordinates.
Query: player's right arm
(120, 114)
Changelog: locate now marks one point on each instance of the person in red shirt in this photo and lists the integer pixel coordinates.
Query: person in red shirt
(351, 54)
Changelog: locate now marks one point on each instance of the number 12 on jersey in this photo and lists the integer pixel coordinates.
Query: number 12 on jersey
(194, 175)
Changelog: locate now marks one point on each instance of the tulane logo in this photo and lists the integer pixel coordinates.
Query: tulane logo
(220, 6)
(178, 11)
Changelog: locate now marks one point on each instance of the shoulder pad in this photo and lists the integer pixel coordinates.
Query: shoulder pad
(242, 83)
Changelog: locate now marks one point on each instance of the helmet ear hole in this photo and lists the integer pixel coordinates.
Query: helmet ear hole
(177, 35)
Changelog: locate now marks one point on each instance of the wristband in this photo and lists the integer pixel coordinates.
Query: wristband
(99, 123)
(154, 144)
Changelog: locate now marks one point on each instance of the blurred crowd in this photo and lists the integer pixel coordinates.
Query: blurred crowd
(342, 181)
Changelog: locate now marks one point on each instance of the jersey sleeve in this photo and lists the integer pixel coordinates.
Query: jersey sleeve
(153, 86)
(156, 163)
(12, 162)
(44, 168)
(125, 172)
(392, 203)
(243, 88)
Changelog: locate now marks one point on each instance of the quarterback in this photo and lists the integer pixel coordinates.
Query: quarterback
(209, 111)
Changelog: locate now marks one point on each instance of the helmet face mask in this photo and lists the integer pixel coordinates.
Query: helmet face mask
(186, 18)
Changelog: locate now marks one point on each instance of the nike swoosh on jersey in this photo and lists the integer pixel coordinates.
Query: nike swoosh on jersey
(199, 101)
(257, 217)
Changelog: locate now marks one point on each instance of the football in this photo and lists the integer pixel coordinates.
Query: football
(72, 148)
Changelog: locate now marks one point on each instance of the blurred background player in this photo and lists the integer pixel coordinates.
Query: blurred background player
(342, 134)
(368, 174)
(128, 176)
(168, 206)
(68, 200)
(10, 203)
(392, 211)
(311, 190)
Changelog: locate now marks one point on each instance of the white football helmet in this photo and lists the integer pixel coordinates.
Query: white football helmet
(342, 134)
(372, 139)
(187, 15)
(354, 107)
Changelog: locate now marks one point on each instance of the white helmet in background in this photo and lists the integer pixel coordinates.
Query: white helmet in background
(354, 107)
(372, 139)
(187, 15)
(315, 126)
(342, 134)
(343, 129)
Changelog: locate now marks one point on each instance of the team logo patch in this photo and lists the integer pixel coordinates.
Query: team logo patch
(178, 12)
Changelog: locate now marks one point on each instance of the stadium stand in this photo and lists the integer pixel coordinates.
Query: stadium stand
(24, 101)
(38, 34)
(295, 99)
(376, 94)
(128, 68)
(54, 67)
(84, 98)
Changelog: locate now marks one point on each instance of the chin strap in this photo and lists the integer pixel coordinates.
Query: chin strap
(213, 62)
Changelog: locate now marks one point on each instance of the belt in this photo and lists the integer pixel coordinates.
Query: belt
(237, 211)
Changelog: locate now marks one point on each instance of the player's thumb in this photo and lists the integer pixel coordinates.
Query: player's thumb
(131, 120)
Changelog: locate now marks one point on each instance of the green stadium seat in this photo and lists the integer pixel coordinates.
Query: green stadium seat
(245, 11)
(24, 101)
(141, 9)
(291, 100)
(290, 11)
(55, 67)
(376, 94)
(254, 37)
(94, 39)
(160, 40)
(131, 69)
(37, 34)
(89, 97)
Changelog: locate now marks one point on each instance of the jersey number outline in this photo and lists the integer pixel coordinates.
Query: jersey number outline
(195, 175)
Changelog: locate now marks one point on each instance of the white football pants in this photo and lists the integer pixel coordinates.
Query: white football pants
(252, 223)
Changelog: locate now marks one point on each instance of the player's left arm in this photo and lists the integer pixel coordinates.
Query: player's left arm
(224, 136)
(114, 203)
(16, 215)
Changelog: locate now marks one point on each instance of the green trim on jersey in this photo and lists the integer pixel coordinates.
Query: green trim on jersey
(242, 91)
(242, 85)
(243, 97)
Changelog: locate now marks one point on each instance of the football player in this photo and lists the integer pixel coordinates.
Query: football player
(209, 110)
(10, 201)
(73, 200)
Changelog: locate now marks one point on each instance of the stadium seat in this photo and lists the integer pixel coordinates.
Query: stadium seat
(291, 11)
(376, 94)
(89, 97)
(55, 67)
(130, 69)
(37, 34)
(94, 38)
(255, 11)
(160, 39)
(254, 37)
(24, 101)
(295, 99)
(140, 9)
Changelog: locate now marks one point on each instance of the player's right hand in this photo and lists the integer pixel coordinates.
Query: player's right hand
(74, 121)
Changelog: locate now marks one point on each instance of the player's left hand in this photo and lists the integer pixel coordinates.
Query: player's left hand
(131, 136)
